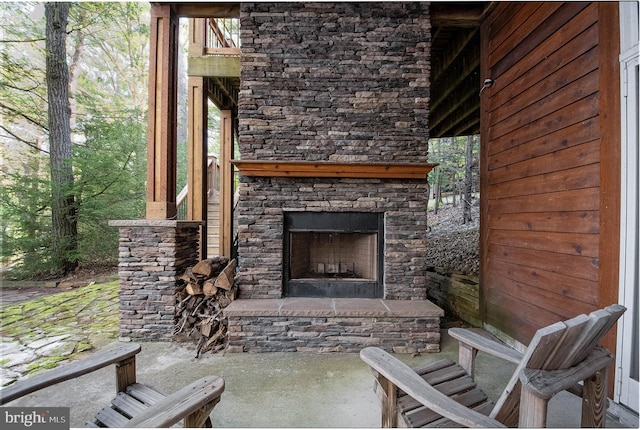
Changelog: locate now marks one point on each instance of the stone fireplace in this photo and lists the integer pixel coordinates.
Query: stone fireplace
(333, 143)
(337, 254)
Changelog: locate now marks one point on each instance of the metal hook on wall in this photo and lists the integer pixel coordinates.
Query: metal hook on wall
(488, 83)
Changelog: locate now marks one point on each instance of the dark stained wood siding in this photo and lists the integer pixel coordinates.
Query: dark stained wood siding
(542, 166)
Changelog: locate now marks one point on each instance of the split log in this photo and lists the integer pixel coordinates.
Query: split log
(202, 293)
(194, 289)
(210, 266)
(225, 279)
(209, 288)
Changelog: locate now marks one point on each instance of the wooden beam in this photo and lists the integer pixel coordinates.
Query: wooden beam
(456, 14)
(219, 66)
(466, 93)
(465, 115)
(319, 169)
(162, 114)
(229, 92)
(233, 52)
(455, 47)
(206, 9)
(468, 63)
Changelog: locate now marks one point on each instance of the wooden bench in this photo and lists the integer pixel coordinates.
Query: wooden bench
(135, 404)
(558, 357)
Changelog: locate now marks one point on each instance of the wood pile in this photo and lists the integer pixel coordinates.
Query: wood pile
(202, 292)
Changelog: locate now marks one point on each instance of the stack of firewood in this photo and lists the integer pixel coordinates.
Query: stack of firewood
(202, 292)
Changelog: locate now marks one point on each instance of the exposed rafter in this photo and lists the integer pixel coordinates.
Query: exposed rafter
(458, 43)
(455, 80)
(457, 14)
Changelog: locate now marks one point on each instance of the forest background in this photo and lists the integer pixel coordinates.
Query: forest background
(98, 171)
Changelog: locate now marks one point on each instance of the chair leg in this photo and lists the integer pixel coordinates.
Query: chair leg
(388, 402)
(533, 409)
(594, 400)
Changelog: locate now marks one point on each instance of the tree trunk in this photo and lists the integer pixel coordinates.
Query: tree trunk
(438, 191)
(74, 72)
(468, 184)
(63, 207)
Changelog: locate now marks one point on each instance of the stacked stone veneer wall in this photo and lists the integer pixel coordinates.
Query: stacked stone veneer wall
(151, 255)
(260, 228)
(342, 82)
(335, 81)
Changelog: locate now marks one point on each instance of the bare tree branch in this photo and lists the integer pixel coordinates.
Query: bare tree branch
(24, 116)
(26, 142)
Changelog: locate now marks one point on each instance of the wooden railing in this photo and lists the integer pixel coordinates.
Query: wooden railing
(213, 173)
(222, 36)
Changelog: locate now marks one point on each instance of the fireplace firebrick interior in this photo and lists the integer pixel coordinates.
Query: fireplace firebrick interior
(333, 254)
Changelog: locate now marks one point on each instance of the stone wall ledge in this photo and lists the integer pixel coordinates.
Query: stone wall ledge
(332, 307)
(153, 223)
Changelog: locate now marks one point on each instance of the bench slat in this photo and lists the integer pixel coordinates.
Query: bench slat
(111, 418)
(128, 405)
(470, 399)
(145, 394)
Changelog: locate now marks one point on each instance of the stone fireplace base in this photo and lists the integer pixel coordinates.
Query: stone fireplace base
(333, 325)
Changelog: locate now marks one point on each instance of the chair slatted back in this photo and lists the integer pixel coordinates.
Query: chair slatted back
(555, 347)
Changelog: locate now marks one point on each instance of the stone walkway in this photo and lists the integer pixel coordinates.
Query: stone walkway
(47, 331)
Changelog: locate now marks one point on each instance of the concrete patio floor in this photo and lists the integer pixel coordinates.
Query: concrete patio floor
(276, 389)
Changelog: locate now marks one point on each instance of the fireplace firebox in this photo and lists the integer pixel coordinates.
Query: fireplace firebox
(333, 254)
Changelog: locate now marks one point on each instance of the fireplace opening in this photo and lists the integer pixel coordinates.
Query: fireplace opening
(333, 254)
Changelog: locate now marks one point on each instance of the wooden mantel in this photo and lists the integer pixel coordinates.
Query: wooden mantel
(328, 169)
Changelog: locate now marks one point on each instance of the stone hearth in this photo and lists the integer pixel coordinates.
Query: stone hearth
(333, 325)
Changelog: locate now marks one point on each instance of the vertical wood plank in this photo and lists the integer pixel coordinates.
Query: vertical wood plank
(197, 157)
(610, 159)
(226, 182)
(162, 113)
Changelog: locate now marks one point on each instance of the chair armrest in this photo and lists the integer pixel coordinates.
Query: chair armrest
(405, 378)
(69, 371)
(547, 383)
(204, 392)
(483, 343)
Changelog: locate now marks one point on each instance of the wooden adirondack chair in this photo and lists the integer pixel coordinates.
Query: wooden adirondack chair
(558, 357)
(135, 405)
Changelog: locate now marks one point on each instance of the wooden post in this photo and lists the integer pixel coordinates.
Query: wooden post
(594, 400)
(533, 409)
(197, 181)
(388, 402)
(197, 157)
(161, 132)
(125, 374)
(467, 358)
(226, 182)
